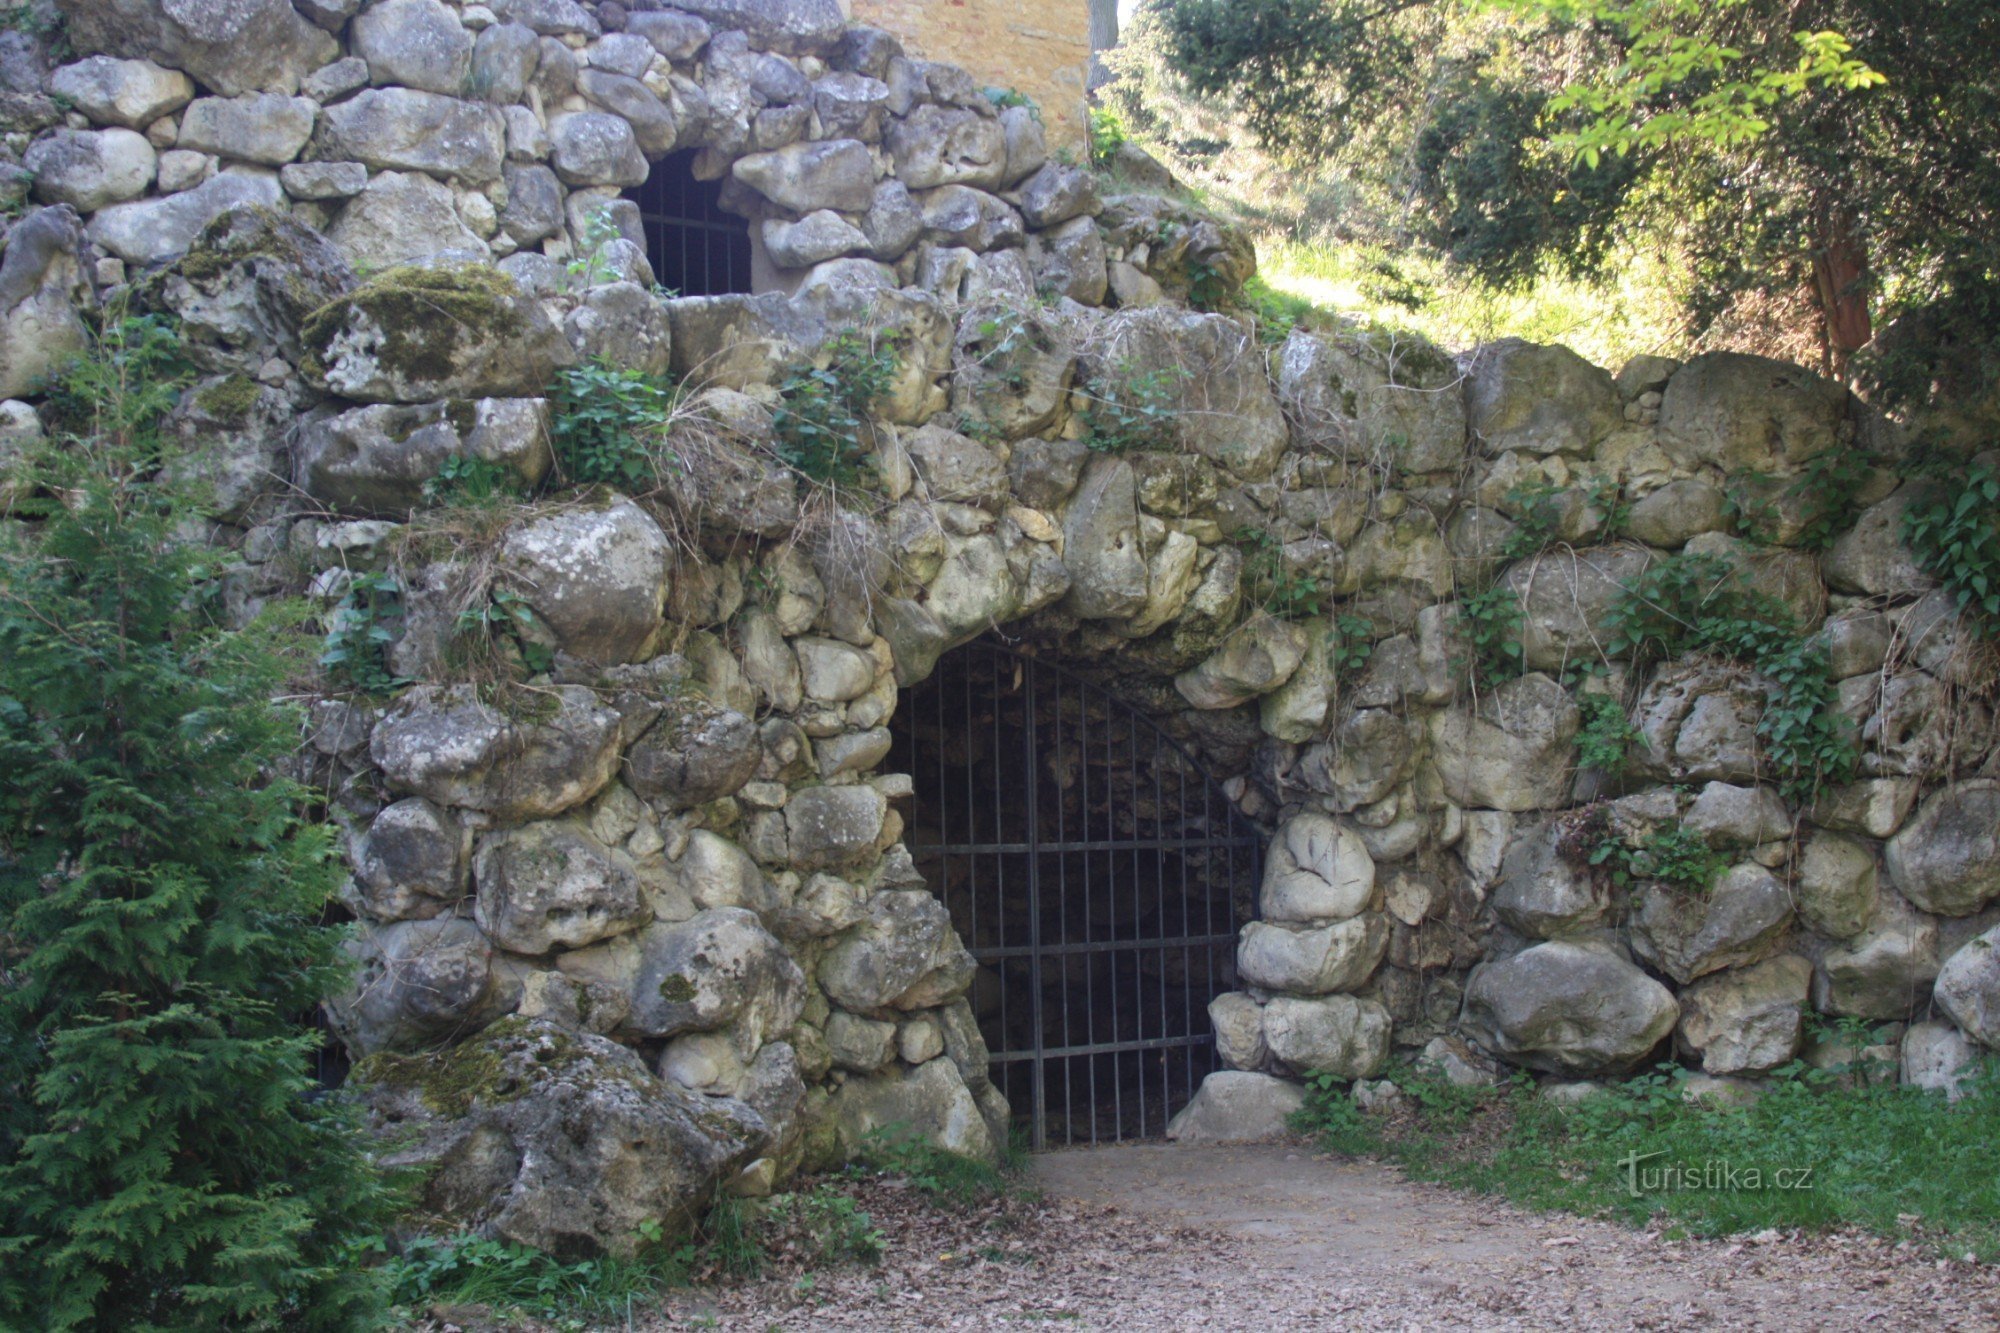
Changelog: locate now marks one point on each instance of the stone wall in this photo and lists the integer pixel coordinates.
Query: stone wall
(634, 914)
(1039, 48)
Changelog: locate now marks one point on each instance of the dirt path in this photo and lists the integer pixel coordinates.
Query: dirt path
(1275, 1237)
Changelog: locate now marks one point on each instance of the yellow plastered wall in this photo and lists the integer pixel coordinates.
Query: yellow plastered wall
(1040, 48)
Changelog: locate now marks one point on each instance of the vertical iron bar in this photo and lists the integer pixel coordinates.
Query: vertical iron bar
(1111, 904)
(1034, 896)
(1089, 930)
(1062, 900)
(1160, 907)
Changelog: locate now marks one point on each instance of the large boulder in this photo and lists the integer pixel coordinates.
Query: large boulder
(1947, 858)
(1568, 1009)
(231, 46)
(939, 145)
(1886, 972)
(401, 217)
(720, 969)
(1312, 960)
(694, 754)
(1317, 870)
(90, 169)
(415, 984)
(1686, 933)
(1385, 401)
(379, 459)
(904, 935)
(411, 863)
(245, 288)
(154, 230)
(43, 291)
(1744, 413)
(1565, 595)
(410, 335)
(1968, 988)
(415, 44)
(444, 744)
(1335, 1034)
(1543, 893)
(929, 1104)
(553, 885)
(1747, 1020)
(838, 174)
(1258, 656)
(596, 574)
(1542, 400)
(1511, 749)
(1233, 1106)
(555, 1139)
(1201, 376)
(401, 129)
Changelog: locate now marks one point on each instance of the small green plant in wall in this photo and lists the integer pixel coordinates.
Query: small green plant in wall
(1607, 735)
(1350, 643)
(1288, 594)
(363, 627)
(609, 425)
(1491, 621)
(823, 412)
(1134, 410)
(1954, 531)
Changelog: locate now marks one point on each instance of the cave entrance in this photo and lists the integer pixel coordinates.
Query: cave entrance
(696, 248)
(1098, 875)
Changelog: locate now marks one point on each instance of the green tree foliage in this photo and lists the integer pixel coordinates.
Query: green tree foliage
(164, 1162)
(1846, 150)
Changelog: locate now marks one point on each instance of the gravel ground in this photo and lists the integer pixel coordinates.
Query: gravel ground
(1275, 1237)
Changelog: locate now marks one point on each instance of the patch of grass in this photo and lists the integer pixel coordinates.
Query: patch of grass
(946, 1177)
(469, 1270)
(1883, 1157)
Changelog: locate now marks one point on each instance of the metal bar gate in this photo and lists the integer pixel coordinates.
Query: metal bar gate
(1098, 875)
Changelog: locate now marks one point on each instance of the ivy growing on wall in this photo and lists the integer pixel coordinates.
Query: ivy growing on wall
(1955, 534)
(823, 412)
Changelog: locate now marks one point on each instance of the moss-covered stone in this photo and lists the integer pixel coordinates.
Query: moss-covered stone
(427, 316)
(228, 401)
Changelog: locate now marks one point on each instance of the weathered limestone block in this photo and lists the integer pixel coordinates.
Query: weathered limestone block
(1210, 380)
(1870, 558)
(955, 468)
(1070, 260)
(267, 128)
(621, 325)
(1749, 414)
(1542, 893)
(1234, 1106)
(1258, 657)
(1509, 750)
(597, 575)
(230, 433)
(1317, 870)
(1884, 973)
(411, 863)
(401, 129)
(1336, 1035)
(90, 169)
(131, 93)
(1101, 547)
(1565, 595)
(414, 334)
(1729, 815)
(695, 753)
(417, 983)
(1937, 1058)
(1370, 753)
(442, 743)
(1542, 400)
(1873, 807)
(1697, 721)
(1312, 960)
(1947, 858)
(1676, 512)
(719, 969)
(787, 27)
(1239, 1030)
(1568, 1009)
(1968, 988)
(246, 287)
(1740, 919)
(552, 885)
(1363, 400)
(240, 47)
(715, 872)
(898, 941)
(832, 827)
(1747, 1020)
(403, 216)
(930, 1104)
(1836, 885)
(938, 145)
(557, 1139)
(838, 174)
(377, 459)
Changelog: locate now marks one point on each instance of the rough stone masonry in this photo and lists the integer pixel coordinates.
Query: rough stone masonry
(641, 924)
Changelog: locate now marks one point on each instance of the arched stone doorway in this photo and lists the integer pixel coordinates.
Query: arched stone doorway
(1097, 873)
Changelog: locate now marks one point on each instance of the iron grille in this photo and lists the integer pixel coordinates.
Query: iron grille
(695, 248)
(1097, 873)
